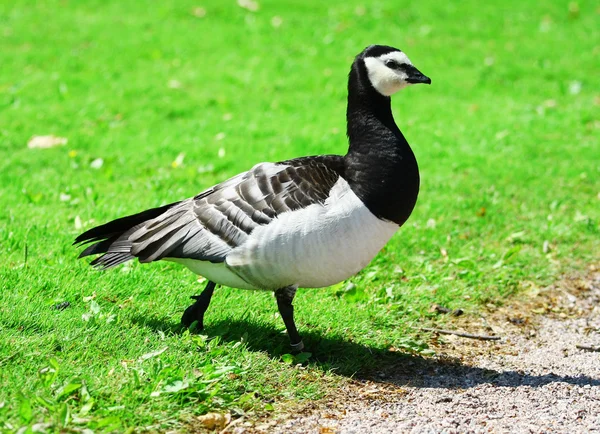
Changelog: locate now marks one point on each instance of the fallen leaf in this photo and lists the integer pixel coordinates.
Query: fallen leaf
(545, 24)
(501, 134)
(178, 160)
(176, 386)
(45, 142)
(152, 354)
(250, 5)
(575, 87)
(574, 10)
(97, 163)
(199, 12)
(361, 10)
(276, 21)
(214, 420)
(174, 84)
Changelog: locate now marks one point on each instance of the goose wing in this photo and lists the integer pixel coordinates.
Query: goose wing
(208, 226)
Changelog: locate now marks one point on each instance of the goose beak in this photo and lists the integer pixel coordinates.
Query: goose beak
(415, 76)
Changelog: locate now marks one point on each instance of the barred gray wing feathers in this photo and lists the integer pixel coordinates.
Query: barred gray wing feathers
(208, 226)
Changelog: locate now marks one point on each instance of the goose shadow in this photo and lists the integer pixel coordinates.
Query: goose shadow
(369, 363)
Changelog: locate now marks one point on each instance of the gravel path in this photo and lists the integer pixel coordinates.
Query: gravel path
(533, 381)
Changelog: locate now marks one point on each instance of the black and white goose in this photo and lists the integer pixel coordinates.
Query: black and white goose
(309, 222)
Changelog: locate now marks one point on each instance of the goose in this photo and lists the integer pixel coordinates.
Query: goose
(308, 222)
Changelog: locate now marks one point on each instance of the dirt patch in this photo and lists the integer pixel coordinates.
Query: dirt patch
(534, 380)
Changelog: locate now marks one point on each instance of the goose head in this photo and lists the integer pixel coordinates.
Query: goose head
(389, 69)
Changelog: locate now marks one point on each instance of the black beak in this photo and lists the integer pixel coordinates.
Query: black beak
(416, 76)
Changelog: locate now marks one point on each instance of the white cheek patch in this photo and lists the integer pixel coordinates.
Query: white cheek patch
(398, 56)
(385, 80)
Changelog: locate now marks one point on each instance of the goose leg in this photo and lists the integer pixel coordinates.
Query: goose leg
(196, 311)
(285, 296)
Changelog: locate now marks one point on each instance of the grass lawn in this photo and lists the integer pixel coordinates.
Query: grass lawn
(159, 100)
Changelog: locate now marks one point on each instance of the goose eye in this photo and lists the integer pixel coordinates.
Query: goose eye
(392, 64)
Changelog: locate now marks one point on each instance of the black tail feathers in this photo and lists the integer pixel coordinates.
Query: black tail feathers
(108, 238)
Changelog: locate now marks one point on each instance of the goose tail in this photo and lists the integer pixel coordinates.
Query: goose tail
(111, 239)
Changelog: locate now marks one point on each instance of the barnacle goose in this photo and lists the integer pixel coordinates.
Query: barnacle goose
(308, 222)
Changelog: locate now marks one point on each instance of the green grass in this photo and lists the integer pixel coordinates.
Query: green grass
(506, 138)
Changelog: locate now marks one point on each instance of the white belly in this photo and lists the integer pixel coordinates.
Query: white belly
(318, 246)
(216, 272)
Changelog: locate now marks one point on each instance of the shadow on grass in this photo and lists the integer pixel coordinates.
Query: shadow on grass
(367, 363)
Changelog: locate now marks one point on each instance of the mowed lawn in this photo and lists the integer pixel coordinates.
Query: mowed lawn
(160, 101)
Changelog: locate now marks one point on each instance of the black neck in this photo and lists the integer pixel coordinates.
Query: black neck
(380, 166)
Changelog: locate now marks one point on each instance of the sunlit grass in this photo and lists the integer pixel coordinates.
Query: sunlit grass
(161, 101)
